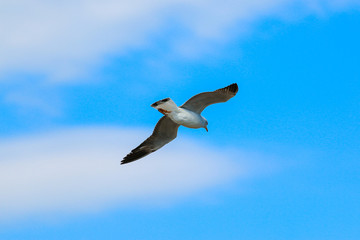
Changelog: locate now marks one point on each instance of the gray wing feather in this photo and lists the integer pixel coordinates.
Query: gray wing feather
(164, 132)
(200, 101)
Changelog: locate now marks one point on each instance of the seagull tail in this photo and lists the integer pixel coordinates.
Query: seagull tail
(166, 104)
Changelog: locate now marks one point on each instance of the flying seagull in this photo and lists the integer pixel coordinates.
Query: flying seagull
(188, 115)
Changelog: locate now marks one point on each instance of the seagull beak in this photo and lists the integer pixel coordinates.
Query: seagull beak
(206, 129)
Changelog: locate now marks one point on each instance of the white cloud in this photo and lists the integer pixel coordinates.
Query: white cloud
(77, 170)
(65, 39)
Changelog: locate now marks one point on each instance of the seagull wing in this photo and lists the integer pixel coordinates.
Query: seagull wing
(164, 132)
(200, 101)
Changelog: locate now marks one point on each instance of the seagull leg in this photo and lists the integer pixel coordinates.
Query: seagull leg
(163, 111)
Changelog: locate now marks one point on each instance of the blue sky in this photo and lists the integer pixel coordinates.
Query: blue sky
(280, 160)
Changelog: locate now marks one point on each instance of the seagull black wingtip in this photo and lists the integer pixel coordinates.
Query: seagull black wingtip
(233, 88)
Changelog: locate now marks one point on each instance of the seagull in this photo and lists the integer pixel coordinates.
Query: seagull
(188, 115)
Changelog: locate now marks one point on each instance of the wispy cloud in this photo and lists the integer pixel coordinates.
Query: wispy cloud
(67, 39)
(77, 170)
(26, 101)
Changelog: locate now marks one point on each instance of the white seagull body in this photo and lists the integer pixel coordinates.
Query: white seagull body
(180, 115)
(188, 115)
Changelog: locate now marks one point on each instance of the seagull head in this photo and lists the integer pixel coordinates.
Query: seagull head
(205, 124)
